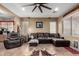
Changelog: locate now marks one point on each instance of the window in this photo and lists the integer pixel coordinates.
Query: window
(53, 27)
(7, 25)
(67, 26)
(75, 25)
(71, 26)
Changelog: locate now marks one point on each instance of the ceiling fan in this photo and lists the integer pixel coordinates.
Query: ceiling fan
(38, 5)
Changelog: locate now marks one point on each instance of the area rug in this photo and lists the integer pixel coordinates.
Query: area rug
(72, 50)
(45, 53)
(35, 53)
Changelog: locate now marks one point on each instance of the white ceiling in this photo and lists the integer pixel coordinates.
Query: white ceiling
(17, 9)
(4, 16)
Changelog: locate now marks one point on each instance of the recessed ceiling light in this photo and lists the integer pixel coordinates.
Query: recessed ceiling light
(56, 9)
(23, 8)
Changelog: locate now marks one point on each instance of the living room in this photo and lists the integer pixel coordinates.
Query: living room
(40, 26)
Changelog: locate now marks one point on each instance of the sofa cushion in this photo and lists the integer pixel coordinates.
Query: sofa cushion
(35, 35)
(33, 41)
(55, 39)
(57, 35)
(40, 35)
(46, 34)
(51, 35)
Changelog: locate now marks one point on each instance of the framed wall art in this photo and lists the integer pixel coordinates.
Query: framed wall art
(39, 24)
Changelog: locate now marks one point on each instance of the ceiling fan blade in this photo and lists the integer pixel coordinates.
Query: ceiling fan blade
(43, 3)
(28, 5)
(34, 8)
(45, 7)
(40, 9)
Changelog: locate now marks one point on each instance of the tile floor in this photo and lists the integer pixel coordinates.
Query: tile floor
(26, 50)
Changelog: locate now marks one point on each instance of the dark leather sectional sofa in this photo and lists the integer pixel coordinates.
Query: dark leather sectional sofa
(53, 38)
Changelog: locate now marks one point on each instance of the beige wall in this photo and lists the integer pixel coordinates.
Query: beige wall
(59, 25)
(17, 23)
(46, 25)
(32, 24)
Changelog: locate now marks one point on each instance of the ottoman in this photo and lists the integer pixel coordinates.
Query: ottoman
(33, 42)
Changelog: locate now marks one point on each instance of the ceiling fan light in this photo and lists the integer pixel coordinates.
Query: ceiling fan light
(37, 5)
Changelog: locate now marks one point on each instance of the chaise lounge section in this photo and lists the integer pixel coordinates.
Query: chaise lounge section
(61, 42)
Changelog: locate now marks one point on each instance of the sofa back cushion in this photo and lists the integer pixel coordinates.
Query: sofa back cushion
(40, 35)
(37, 35)
(46, 34)
(57, 35)
(51, 35)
